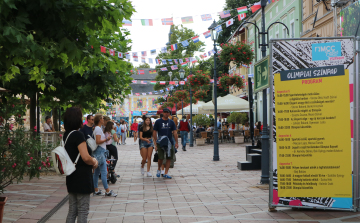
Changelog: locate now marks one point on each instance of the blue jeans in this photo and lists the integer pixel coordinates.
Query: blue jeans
(99, 154)
(184, 136)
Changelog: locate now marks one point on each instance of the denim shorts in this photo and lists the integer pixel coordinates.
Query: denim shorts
(144, 144)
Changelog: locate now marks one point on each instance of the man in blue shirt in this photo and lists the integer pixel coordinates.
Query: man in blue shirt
(165, 127)
(219, 124)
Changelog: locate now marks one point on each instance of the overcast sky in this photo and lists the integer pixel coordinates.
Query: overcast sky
(156, 36)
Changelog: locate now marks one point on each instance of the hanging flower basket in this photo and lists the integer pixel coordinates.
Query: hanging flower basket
(200, 95)
(226, 81)
(181, 94)
(199, 80)
(167, 105)
(173, 100)
(239, 52)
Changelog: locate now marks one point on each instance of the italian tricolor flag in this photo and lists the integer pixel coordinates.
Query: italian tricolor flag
(242, 10)
(147, 22)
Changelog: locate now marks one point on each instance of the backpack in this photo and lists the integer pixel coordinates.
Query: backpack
(61, 159)
(91, 143)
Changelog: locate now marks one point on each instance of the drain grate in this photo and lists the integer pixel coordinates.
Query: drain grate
(54, 210)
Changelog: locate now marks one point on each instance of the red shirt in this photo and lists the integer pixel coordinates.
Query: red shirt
(134, 127)
(184, 126)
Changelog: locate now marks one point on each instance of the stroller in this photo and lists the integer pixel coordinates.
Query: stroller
(110, 169)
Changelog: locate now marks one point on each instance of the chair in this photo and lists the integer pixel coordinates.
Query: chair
(232, 136)
(204, 136)
(247, 135)
(256, 134)
(220, 137)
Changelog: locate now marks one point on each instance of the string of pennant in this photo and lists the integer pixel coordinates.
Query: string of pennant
(174, 84)
(169, 21)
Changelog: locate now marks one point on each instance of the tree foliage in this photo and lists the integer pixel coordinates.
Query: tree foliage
(179, 34)
(351, 16)
(144, 65)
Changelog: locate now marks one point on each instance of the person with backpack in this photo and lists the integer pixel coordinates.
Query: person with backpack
(110, 145)
(99, 154)
(79, 183)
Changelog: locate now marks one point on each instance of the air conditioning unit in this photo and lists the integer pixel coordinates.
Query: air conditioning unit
(339, 3)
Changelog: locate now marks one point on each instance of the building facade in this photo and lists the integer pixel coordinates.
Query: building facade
(288, 12)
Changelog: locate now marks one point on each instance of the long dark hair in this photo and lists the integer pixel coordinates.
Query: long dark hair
(144, 124)
(73, 119)
(108, 127)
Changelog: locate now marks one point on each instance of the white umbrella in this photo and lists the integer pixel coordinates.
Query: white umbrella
(195, 109)
(226, 104)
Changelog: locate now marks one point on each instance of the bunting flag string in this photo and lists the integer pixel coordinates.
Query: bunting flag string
(189, 19)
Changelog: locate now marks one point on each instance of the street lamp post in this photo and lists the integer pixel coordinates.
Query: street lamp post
(182, 75)
(191, 123)
(214, 35)
(170, 74)
(175, 79)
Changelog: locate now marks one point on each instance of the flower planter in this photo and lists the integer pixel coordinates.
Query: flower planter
(2, 205)
(239, 139)
(230, 81)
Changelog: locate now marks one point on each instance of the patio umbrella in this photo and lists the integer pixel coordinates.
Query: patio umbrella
(225, 104)
(195, 109)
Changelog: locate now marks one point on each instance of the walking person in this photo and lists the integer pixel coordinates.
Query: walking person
(110, 145)
(99, 154)
(123, 132)
(184, 128)
(79, 184)
(134, 129)
(146, 145)
(165, 129)
(118, 132)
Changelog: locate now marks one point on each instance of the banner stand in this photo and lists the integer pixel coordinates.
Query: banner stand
(313, 169)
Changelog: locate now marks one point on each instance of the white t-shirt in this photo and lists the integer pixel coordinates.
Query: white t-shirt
(47, 127)
(123, 128)
(99, 132)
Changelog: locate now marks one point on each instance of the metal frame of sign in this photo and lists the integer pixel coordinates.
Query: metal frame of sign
(268, 84)
(356, 136)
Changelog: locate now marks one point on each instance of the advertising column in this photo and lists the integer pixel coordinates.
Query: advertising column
(312, 123)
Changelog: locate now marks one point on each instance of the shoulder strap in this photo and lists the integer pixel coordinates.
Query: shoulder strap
(77, 158)
(68, 136)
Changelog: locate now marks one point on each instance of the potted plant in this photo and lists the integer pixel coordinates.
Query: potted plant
(238, 52)
(204, 121)
(167, 105)
(181, 94)
(226, 81)
(173, 100)
(198, 80)
(20, 151)
(238, 118)
(200, 95)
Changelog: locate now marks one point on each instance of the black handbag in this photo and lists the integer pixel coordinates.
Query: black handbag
(156, 157)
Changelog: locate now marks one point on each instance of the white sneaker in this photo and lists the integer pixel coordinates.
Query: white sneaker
(149, 174)
(162, 172)
(142, 171)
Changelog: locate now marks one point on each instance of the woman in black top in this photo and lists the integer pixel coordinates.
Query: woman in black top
(80, 183)
(146, 144)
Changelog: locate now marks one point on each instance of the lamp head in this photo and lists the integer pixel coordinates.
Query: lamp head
(182, 73)
(170, 73)
(214, 33)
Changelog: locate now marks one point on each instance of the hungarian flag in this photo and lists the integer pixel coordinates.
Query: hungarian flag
(255, 7)
(174, 47)
(112, 52)
(242, 10)
(184, 64)
(241, 16)
(152, 82)
(162, 82)
(195, 39)
(229, 22)
(147, 22)
(103, 49)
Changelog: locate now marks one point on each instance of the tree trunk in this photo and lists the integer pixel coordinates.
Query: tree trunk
(32, 112)
(55, 112)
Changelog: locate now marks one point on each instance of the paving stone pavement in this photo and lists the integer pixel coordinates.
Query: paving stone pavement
(201, 191)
